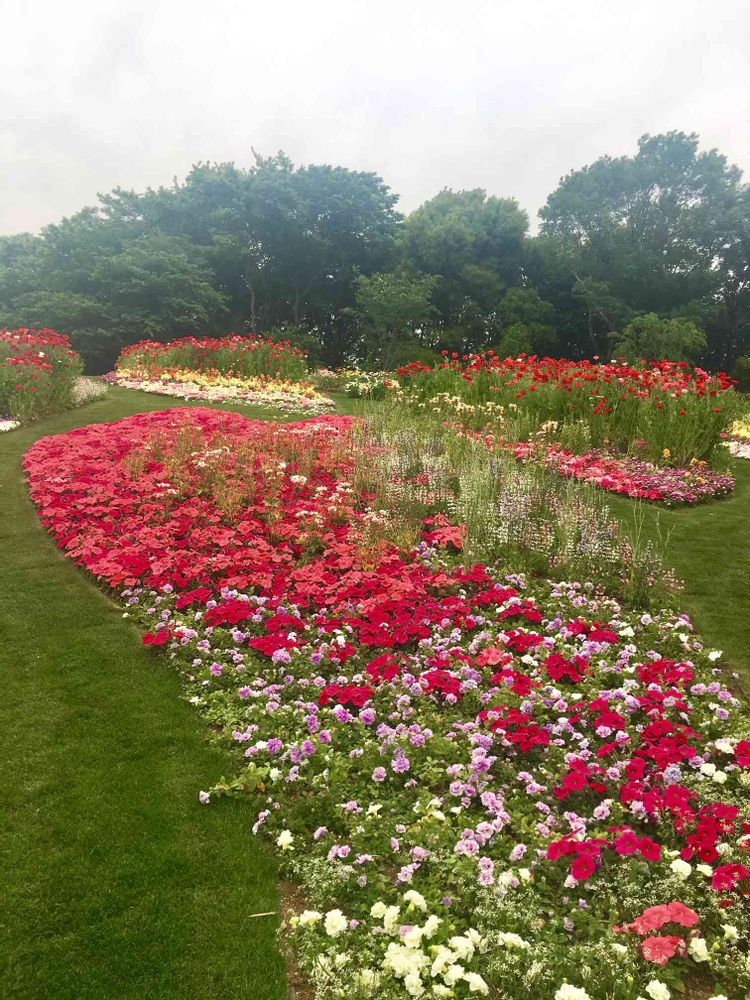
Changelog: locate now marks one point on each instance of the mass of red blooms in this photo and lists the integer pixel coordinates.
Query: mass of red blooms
(528, 373)
(560, 727)
(38, 369)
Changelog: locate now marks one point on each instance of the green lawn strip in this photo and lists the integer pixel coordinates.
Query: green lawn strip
(709, 548)
(116, 882)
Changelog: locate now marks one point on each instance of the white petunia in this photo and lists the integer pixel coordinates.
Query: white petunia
(285, 840)
(568, 992)
(335, 923)
(657, 990)
(681, 868)
(697, 949)
(476, 984)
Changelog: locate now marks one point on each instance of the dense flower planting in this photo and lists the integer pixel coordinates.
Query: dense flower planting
(665, 405)
(633, 477)
(38, 373)
(252, 370)
(481, 784)
(738, 439)
(231, 355)
(213, 387)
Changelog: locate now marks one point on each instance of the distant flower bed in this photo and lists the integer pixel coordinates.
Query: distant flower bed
(633, 477)
(213, 387)
(738, 440)
(241, 356)
(664, 405)
(38, 373)
(486, 785)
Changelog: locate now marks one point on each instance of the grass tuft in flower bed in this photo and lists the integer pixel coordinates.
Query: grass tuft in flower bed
(482, 783)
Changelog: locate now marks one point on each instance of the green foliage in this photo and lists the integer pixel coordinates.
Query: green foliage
(654, 233)
(393, 313)
(741, 372)
(650, 338)
(665, 232)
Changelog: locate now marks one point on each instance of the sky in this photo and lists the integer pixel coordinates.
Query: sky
(506, 96)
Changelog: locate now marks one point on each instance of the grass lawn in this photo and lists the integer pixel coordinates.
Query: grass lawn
(709, 547)
(117, 884)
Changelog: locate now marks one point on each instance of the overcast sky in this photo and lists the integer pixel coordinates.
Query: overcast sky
(507, 96)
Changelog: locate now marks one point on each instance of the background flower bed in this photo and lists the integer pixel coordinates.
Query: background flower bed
(38, 373)
(252, 370)
(360, 659)
(675, 414)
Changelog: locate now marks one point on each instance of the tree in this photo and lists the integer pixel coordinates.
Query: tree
(661, 232)
(651, 338)
(393, 313)
(474, 245)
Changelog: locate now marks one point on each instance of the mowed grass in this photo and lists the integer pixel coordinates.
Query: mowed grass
(116, 883)
(709, 548)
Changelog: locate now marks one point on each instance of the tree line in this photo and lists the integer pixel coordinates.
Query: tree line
(645, 256)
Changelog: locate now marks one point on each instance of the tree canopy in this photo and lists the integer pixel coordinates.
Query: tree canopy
(647, 253)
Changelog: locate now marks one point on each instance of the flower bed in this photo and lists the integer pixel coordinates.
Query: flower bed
(479, 783)
(38, 374)
(213, 387)
(633, 477)
(664, 405)
(232, 355)
(738, 439)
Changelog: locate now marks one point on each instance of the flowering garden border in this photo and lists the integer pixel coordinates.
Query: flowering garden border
(480, 751)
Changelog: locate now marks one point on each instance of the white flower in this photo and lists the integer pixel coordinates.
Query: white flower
(377, 910)
(462, 946)
(204, 798)
(720, 777)
(413, 985)
(715, 654)
(453, 974)
(730, 932)
(476, 984)
(443, 957)
(681, 868)
(620, 949)
(415, 899)
(308, 917)
(698, 950)
(369, 980)
(511, 940)
(431, 924)
(568, 992)
(725, 746)
(285, 840)
(390, 919)
(442, 991)
(413, 937)
(706, 870)
(335, 923)
(708, 768)
(657, 990)
(719, 996)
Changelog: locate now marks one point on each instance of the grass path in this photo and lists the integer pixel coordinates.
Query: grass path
(709, 547)
(117, 884)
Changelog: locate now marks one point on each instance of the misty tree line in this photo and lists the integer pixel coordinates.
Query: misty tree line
(645, 256)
